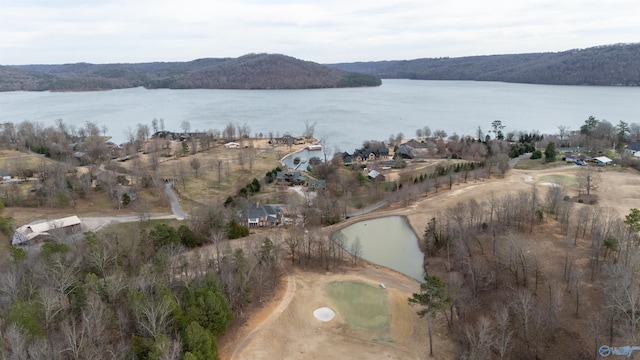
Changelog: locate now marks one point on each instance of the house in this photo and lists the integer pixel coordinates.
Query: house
(347, 159)
(375, 176)
(404, 151)
(290, 178)
(232, 145)
(371, 152)
(603, 160)
(364, 156)
(633, 148)
(260, 215)
(44, 230)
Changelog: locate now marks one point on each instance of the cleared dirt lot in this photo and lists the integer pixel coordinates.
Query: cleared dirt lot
(291, 331)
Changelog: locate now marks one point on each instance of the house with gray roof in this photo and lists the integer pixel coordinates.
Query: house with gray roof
(633, 148)
(262, 215)
(404, 151)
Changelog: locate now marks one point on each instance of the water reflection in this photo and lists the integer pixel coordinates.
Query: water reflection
(389, 242)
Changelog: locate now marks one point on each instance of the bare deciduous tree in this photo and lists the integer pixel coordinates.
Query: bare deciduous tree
(522, 305)
(481, 338)
(623, 293)
(16, 341)
(356, 250)
(153, 315)
(588, 179)
(503, 343)
(75, 339)
(195, 165)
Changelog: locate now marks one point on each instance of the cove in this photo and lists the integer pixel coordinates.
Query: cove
(303, 157)
(388, 241)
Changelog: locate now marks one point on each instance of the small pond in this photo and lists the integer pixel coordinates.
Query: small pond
(388, 241)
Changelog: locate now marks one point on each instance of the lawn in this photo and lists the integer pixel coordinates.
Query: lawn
(12, 161)
(361, 305)
(560, 179)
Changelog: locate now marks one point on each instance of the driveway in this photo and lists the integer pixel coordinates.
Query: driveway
(176, 209)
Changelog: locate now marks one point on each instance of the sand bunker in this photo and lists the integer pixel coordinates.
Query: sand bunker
(551, 184)
(324, 314)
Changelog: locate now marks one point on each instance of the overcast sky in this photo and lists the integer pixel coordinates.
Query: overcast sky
(324, 31)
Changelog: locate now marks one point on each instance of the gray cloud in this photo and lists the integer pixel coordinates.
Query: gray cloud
(63, 31)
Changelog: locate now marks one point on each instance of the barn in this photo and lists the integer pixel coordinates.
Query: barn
(32, 233)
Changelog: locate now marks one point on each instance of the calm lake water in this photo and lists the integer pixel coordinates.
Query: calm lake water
(345, 117)
(389, 242)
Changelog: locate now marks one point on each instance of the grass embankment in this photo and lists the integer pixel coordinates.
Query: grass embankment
(15, 161)
(361, 305)
(540, 164)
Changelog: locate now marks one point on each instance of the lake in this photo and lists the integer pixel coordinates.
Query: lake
(388, 241)
(345, 117)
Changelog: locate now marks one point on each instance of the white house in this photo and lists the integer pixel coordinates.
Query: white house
(232, 145)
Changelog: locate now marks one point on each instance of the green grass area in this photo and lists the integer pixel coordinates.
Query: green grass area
(362, 306)
(563, 180)
(13, 161)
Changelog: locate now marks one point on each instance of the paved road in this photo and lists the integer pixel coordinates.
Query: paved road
(369, 208)
(176, 209)
(97, 223)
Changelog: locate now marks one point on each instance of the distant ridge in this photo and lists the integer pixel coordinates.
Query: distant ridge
(602, 65)
(253, 71)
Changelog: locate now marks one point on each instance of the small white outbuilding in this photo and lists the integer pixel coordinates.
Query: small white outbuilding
(603, 160)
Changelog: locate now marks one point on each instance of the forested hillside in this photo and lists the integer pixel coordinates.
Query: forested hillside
(603, 65)
(254, 71)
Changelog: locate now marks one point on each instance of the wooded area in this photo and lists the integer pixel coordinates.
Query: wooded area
(253, 71)
(603, 65)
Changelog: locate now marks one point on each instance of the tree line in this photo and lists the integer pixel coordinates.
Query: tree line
(617, 64)
(252, 71)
